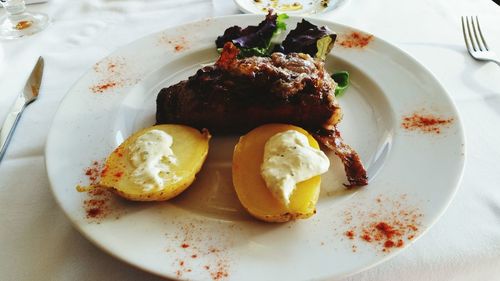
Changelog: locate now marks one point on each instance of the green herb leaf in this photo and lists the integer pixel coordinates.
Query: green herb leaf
(342, 80)
(280, 23)
(249, 52)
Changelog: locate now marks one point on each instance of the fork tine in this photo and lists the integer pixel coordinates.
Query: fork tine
(466, 39)
(481, 34)
(470, 34)
(474, 29)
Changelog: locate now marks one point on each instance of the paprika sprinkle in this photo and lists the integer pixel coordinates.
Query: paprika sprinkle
(93, 172)
(178, 44)
(101, 88)
(386, 225)
(354, 40)
(112, 73)
(196, 243)
(96, 206)
(425, 123)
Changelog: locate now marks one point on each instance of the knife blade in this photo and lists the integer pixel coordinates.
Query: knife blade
(27, 96)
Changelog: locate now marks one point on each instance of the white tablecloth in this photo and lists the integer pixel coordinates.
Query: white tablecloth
(37, 242)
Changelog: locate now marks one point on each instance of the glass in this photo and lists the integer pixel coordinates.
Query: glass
(18, 23)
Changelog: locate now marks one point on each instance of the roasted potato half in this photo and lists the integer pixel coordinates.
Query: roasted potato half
(190, 147)
(251, 187)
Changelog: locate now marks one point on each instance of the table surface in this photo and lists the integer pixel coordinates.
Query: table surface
(39, 242)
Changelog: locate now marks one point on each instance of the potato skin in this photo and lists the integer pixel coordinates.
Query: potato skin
(190, 146)
(251, 188)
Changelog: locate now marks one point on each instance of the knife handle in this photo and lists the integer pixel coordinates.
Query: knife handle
(9, 125)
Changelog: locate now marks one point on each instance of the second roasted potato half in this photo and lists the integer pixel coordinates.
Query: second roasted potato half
(251, 187)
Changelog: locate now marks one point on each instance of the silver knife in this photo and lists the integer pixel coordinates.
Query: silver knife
(27, 96)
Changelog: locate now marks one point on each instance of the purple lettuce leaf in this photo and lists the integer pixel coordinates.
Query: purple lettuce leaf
(309, 39)
(251, 36)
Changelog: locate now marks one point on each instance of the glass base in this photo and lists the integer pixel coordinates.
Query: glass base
(24, 24)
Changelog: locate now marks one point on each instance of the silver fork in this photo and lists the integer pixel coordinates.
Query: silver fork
(474, 40)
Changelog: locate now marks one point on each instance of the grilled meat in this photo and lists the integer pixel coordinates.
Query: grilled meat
(236, 95)
(354, 169)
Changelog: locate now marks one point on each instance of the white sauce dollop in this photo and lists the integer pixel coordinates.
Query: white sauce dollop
(151, 155)
(288, 160)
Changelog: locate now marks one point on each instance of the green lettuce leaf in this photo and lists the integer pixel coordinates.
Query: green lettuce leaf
(342, 80)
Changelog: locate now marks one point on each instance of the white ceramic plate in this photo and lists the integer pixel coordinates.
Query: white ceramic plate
(291, 7)
(204, 233)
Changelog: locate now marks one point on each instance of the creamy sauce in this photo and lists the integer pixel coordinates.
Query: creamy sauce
(288, 160)
(291, 6)
(152, 156)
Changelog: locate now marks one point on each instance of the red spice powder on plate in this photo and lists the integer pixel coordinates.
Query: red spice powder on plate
(199, 251)
(366, 237)
(113, 73)
(386, 225)
(179, 48)
(95, 208)
(110, 65)
(178, 43)
(387, 230)
(427, 123)
(102, 87)
(97, 205)
(93, 172)
(354, 40)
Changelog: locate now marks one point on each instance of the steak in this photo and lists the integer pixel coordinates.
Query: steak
(236, 95)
